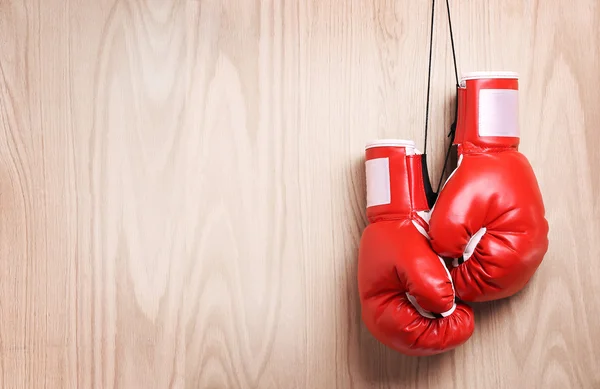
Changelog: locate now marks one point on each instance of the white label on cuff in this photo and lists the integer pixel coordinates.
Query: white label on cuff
(378, 182)
(499, 112)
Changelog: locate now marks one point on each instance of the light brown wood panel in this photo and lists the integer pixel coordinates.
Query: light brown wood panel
(182, 189)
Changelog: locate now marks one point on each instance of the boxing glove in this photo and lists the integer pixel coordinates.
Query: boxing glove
(489, 216)
(406, 294)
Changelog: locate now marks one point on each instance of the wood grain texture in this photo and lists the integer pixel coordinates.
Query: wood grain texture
(182, 189)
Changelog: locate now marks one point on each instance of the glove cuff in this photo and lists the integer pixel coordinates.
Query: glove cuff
(488, 111)
(395, 182)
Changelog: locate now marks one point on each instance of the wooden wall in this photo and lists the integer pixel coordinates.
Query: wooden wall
(182, 189)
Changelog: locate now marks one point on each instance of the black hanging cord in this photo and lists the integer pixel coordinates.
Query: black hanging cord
(429, 75)
(452, 42)
(451, 136)
(429, 193)
(453, 126)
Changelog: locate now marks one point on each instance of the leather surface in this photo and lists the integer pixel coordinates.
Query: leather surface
(395, 258)
(404, 200)
(494, 188)
(468, 114)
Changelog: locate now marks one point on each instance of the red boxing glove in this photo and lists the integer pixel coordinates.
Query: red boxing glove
(489, 216)
(406, 292)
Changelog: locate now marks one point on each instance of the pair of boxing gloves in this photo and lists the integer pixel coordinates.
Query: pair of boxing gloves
(482, 240)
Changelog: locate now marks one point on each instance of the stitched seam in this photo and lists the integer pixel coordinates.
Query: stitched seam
(410, 190)
(391, 218)
(418, 219)
(421, 181)
(494, 150)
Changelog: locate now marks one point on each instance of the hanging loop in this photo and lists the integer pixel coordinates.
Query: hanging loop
(453, 126)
